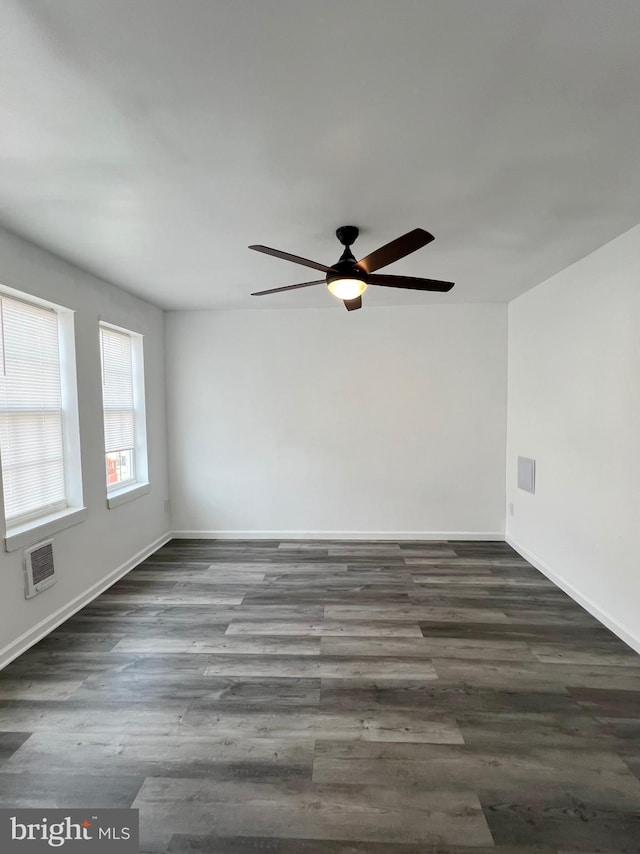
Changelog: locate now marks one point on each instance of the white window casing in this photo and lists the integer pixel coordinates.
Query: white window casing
(125, 432)
(39, 431)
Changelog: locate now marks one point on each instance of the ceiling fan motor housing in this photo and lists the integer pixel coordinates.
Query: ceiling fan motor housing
(346, 266)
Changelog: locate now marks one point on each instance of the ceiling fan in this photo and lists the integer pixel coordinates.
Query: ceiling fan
(348, 279)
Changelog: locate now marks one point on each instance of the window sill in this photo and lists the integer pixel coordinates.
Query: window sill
(129, 493)
(26, 535)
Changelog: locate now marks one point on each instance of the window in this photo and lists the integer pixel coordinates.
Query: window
(124, 416)
(39, 436)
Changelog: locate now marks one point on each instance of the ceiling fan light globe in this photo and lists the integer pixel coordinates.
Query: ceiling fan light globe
(347, 288)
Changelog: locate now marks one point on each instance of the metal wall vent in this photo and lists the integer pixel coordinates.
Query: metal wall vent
(39, 571)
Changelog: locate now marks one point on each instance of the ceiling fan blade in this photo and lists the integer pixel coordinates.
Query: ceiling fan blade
(352, 304)
(295, 258)
(410, 282)
(395, 250)
(288, 288)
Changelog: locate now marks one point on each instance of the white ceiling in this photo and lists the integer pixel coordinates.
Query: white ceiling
(150, 141)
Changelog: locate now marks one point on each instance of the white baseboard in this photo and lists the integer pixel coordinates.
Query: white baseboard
(44, 627)
(602, 616)
(340, 535)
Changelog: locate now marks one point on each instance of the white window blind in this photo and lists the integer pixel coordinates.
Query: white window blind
(117, 396)
(31, 421)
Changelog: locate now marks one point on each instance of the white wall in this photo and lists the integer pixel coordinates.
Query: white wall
(91, 553)
(574, 405)
(322, 422)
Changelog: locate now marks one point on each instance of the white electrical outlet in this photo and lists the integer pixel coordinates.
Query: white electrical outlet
(511, 508)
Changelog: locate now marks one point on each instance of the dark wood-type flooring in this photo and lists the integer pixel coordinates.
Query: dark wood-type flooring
(333, 698)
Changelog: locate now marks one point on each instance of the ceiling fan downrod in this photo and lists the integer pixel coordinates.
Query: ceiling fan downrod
(347, 235)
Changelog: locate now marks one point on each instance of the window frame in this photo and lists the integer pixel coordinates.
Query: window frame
(27, 532)
(121, 493)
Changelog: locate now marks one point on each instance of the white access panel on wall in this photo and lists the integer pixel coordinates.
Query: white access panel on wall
(527, 474)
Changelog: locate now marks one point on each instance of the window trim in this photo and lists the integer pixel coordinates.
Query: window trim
(26, 533)
(128, 493)
(120, 493)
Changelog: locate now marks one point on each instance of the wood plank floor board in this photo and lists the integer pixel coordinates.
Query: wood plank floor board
(146, 688)
(561, 822)
(428, 648)
(325, 628)
(219, 754)
(200, 577)
(598, 658)
(77, 642)
(412, 613)
(362, 813)
(485, 581)
(175, 598)
(501, 602)
(297, 567)
(600, 778)
(269, 695)
(360, 550)
(632, 762)
(348, 581)
(31, 688)
(329, 597)
(10, 742)
(355, 669)
(224, 644)
(447, 697)
(536, 674)
(513, 560)
(579, 731)
(608, 703)
(41, 663)
(550, 615)
(91, 716)
(67, 791)
(527, 632)
(214, 844)
(147, 626)
(180, 614)
(333, 697)
(303, 724)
